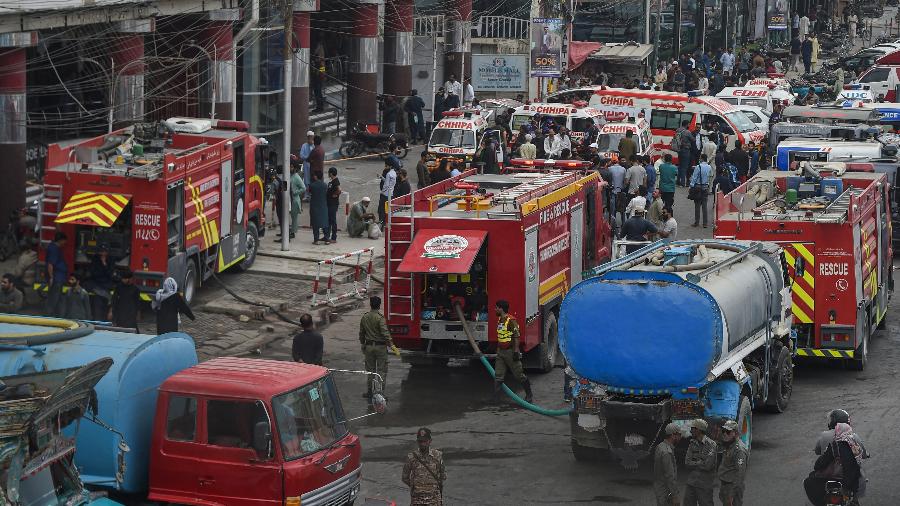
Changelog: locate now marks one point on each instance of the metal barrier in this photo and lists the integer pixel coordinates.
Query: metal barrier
(502, 27)
(358, 290)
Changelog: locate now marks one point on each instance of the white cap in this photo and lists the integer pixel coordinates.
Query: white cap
(528, 137)
(366, 199)
(638, 208)
(672, 429)
(310, 134)
(594, 145)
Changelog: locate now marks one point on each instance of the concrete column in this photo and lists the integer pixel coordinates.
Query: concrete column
(300, 81)
(458, 40)
(128, 71)
(13, 120)
(217, 39)
(362, 78)
(398, 47)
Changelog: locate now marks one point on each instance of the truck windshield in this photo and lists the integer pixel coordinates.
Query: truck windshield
(309, 418)
(453, 138)
(609, 142)
(54, 485)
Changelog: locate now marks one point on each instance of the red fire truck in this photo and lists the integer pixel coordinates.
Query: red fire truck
(474, 239)
(835, 228)
(180, 198)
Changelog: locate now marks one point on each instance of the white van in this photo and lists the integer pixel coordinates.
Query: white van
(758, 115)
(611, 133)
(577, 117)
(458, 133)
(881, 80)
(759, 96)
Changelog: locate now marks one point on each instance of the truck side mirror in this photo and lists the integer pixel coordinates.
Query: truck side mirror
(262, 440)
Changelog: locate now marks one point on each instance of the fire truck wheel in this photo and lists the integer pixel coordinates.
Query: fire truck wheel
(252, 247)
(190, 281)
(861, 355)
(549, 347)
(782, 383)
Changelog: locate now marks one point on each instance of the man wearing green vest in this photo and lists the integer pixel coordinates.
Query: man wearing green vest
(508, 354)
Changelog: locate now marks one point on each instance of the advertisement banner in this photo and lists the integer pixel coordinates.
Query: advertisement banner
(546, 47)
(778, 15)
(499, 72)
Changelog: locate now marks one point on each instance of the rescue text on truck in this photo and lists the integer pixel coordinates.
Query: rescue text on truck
(182, 198)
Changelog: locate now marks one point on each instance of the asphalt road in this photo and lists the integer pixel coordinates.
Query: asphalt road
(500, 454)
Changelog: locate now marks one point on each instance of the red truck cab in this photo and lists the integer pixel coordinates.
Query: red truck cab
(236, 431)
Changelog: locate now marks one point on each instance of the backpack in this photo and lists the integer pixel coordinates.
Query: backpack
(675, 143)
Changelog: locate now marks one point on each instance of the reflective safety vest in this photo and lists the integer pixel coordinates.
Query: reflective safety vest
(504, 335)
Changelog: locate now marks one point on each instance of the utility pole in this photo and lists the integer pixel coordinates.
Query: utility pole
(288, 56)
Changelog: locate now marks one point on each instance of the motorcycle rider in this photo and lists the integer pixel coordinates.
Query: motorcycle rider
(839, 462)
(836, 416)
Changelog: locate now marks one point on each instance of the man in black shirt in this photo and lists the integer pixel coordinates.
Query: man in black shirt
(308, 344)
(332, 199)
(125, 304)
(740, 159)
(636, 228)
(402, 187)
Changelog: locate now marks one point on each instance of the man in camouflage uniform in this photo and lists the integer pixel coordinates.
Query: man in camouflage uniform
(424, 472)
(665, 470)
(733, 469)
(700, 459)
(374, 339)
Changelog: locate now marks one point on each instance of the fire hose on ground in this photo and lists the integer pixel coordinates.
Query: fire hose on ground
(487, 365)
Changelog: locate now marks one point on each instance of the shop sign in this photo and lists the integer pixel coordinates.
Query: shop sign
(499, 72)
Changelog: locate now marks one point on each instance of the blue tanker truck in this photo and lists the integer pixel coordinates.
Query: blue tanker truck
(673, 332)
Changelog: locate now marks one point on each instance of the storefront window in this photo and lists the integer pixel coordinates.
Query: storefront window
(602, 21)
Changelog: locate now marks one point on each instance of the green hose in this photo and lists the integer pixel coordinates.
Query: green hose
(512, 395)
(520, 401)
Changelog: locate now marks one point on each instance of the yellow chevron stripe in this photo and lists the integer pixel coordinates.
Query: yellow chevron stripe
(813, 352)
(88, 215)
(550, 295)
(90, 207)
(92, 202)
(800, 292)
(810, 259)
(802, 316)
(552, 283)
(806, 275)
(198, 207)
(214, 232)
(258, 180)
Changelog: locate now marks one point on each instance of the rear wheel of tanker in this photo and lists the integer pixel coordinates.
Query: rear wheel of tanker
(782, 383)
(190, 282)
(252, 248)
(585, 453)
(745, 422)
(549, 347)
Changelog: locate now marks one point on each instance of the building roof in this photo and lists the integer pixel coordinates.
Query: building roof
(243, 377)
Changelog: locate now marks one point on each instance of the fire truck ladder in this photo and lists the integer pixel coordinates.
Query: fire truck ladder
(836, 212)
(525, 191)
(51, 205)
(397, 224)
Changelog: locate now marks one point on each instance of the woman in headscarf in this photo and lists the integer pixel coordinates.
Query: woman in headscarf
(840, 461)
(168, 303)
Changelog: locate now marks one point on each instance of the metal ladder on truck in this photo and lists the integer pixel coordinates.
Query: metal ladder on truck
(539, 186)
(399, 287)
(836, 212)
(49, 208)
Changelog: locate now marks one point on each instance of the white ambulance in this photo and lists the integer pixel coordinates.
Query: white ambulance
(759, 96)
(611, 133)
(577, 117)
(666, 111)
(458, 133)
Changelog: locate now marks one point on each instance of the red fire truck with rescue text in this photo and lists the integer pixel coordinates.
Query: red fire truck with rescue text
(182, 198)
(835, 228)
(474, 239)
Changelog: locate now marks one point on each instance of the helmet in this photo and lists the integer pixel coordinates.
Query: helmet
(837, 416)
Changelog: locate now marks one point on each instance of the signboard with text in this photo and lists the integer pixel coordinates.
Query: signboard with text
(778, 15)
(499, 72)
(546, 47)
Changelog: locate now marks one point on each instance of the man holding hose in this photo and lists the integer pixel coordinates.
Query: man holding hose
(508, 354)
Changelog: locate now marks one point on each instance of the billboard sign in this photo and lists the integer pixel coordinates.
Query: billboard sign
(499, 72)
(778, 15)
(546, 47)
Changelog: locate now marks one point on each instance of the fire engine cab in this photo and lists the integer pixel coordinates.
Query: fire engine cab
(182, 198)
(835, 228)
(474, 239)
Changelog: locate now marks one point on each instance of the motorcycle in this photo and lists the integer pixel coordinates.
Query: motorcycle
(828, 492)
(361, 142)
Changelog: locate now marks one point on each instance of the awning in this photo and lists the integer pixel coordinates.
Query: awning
(579, 51)
(624, 51)
(442, 251)
(94, 209)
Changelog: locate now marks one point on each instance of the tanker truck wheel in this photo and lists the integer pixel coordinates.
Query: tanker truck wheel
(585, 453)
(549, 347)
(782, 382)
(745, 422)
